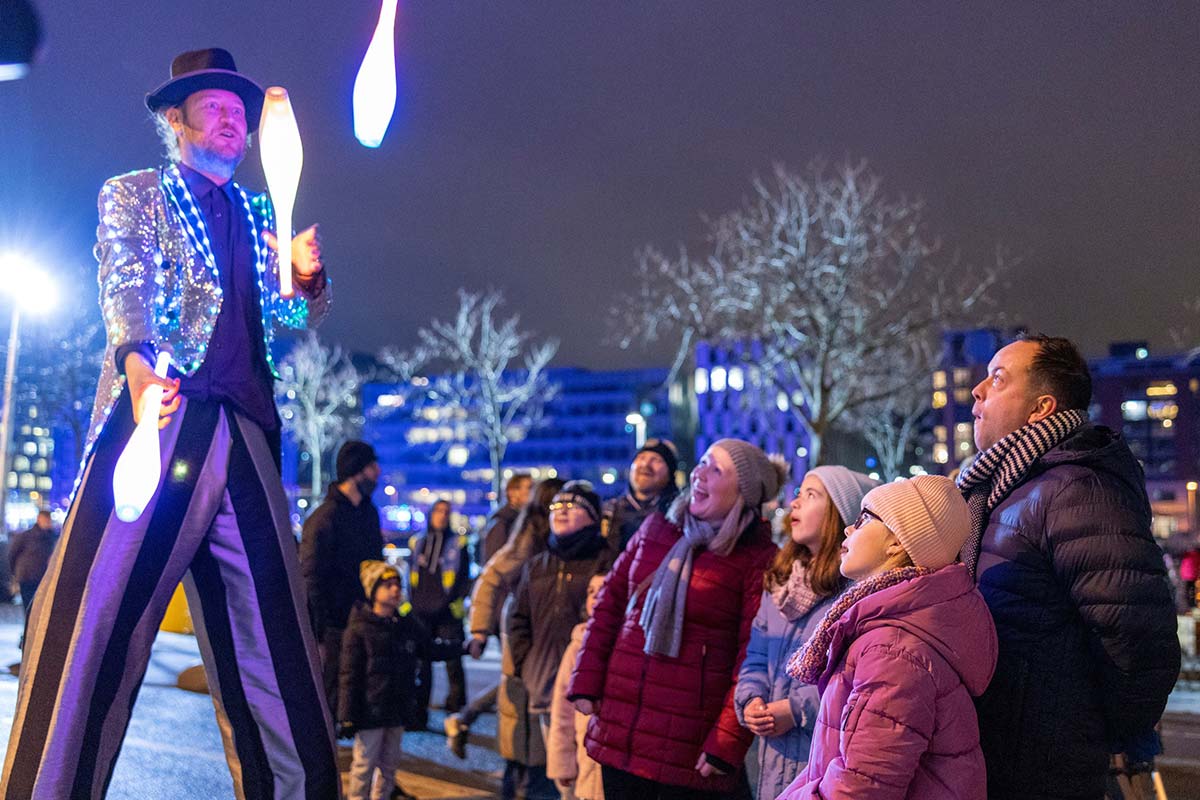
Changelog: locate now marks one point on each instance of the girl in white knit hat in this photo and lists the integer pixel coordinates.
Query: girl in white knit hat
(899, 656)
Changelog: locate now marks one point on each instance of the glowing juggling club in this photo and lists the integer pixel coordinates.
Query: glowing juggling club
(375, 86)
(139, 468)
(282, 160)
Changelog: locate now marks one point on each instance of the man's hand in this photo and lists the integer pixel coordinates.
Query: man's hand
(563, 784)
(759, 719)
(706, 769)
(139, 373)
(306, 252)
(586, 706)
(476, 645)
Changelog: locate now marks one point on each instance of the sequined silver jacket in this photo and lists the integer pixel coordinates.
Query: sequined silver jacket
(158, 284)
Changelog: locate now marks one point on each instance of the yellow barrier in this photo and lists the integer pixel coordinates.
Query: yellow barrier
(177, 619)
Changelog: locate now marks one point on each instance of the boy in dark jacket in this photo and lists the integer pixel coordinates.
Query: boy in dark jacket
(382, 651)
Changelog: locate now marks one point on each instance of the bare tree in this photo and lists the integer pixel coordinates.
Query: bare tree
(317, 394)
(890, 424)
(485, 374)
(835, 280)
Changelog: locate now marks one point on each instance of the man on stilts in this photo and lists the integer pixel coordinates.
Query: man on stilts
(186, 263)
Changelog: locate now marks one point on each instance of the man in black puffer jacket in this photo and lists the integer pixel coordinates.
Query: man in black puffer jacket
(1075, 582)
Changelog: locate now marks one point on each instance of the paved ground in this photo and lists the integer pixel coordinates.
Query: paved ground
(173, 748)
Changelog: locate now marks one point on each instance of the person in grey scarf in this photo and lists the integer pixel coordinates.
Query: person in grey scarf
(662, 650)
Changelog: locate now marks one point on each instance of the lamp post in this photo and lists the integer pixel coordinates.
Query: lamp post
(31, 290)
(639, 427)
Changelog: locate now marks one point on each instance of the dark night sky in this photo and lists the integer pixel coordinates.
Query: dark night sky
(537, 145)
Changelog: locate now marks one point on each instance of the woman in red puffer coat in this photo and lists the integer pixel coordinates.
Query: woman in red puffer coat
(660, 658)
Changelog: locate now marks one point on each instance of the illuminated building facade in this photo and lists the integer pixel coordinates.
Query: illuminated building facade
(731, 399)
(590, 431)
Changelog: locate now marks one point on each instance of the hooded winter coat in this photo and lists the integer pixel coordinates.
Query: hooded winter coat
(772, 641)
(548, 604)
(438, 584)
(657, 715)
(1084, 615)
(897, 719)
(381, 657)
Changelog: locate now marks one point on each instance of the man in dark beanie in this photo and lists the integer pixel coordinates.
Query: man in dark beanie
(338, 536)
(651, 488)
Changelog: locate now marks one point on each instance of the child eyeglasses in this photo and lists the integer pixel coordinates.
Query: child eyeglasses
(865, 517)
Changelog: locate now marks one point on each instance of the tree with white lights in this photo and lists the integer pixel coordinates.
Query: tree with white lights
(479, 372)
(317, 396)
(838, 282)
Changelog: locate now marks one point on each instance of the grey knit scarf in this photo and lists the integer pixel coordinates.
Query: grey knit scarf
(666, 589)
(995, 472)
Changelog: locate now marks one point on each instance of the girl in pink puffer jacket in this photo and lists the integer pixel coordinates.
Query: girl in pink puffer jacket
(900, 655)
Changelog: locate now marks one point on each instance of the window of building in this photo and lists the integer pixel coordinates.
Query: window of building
(939, 379)
(941, 454)
(962, 377)
(1161, 389)
(939, 399)
(701, 380)
(963, 397)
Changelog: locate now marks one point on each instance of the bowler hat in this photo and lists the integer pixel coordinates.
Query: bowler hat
(207, 69)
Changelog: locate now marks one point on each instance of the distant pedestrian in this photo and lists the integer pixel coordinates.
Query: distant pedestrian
(900, 655)
(340, 534)
(574, 772)
(1062, 548)
(499, 525)
(651, 488)
(799, 587)
(439, 582)
(28, 556)
(1189, 573)
(550, 597)
(662, 651)
(382, 655)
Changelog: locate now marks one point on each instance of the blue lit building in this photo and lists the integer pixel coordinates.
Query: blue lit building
(590, 431)
(732, 400)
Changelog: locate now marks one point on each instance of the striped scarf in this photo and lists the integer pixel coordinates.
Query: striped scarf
(998, 470)
(808, 663)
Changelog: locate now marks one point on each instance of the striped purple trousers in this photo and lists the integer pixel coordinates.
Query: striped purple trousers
(219, 522)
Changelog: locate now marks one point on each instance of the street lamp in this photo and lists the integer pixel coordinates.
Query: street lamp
(31, 290)
(639, 425)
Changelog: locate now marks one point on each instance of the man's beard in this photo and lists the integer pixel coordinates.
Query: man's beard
(366, 486)
(207, 161)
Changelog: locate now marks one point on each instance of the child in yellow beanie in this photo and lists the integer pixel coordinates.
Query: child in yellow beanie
(382, 651)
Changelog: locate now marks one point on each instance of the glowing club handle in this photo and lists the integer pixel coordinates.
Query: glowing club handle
(139, 468)
(282, 159)
(375, 85)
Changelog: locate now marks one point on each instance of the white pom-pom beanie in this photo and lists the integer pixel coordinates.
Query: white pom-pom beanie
(928, 515)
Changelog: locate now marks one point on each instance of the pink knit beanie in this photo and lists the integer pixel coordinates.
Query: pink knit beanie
(928, 515)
